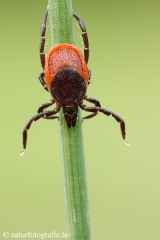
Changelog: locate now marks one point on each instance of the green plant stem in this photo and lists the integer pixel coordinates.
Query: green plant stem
(71, 140)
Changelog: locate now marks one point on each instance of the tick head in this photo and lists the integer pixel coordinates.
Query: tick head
(70, 114)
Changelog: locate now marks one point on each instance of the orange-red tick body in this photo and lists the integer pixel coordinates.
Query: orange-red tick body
(66, 76)
(64, 56)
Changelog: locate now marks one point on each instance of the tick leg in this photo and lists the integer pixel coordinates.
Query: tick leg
(85, 37)
(42, 40)
(91, 109)
(35, 118)
(41, 79)
(43, 106)
(50, 117)
(117, 118)
(89, 76)
(93, 100)
(98, 108)
(94, 111)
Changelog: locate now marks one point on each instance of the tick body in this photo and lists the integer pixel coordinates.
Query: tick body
(66, 77)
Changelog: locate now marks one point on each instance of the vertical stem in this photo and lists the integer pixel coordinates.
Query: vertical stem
(71, 139)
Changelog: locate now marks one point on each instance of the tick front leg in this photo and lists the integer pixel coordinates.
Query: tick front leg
(43, 106)
(33, 119)
(117, 118)
(98, 108)
(94, 111)
(41, 79)
(91, 109)
(93, 100)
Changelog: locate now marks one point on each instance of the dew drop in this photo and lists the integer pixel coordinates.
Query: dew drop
(21, 153)
(127, 143)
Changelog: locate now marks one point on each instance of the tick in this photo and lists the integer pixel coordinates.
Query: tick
(66, 77)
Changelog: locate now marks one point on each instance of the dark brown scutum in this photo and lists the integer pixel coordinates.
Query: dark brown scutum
(68, 87)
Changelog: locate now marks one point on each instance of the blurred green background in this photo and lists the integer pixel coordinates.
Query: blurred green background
(123, 182)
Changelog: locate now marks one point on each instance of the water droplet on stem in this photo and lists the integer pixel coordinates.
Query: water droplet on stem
(21, 153)
(127, 143)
